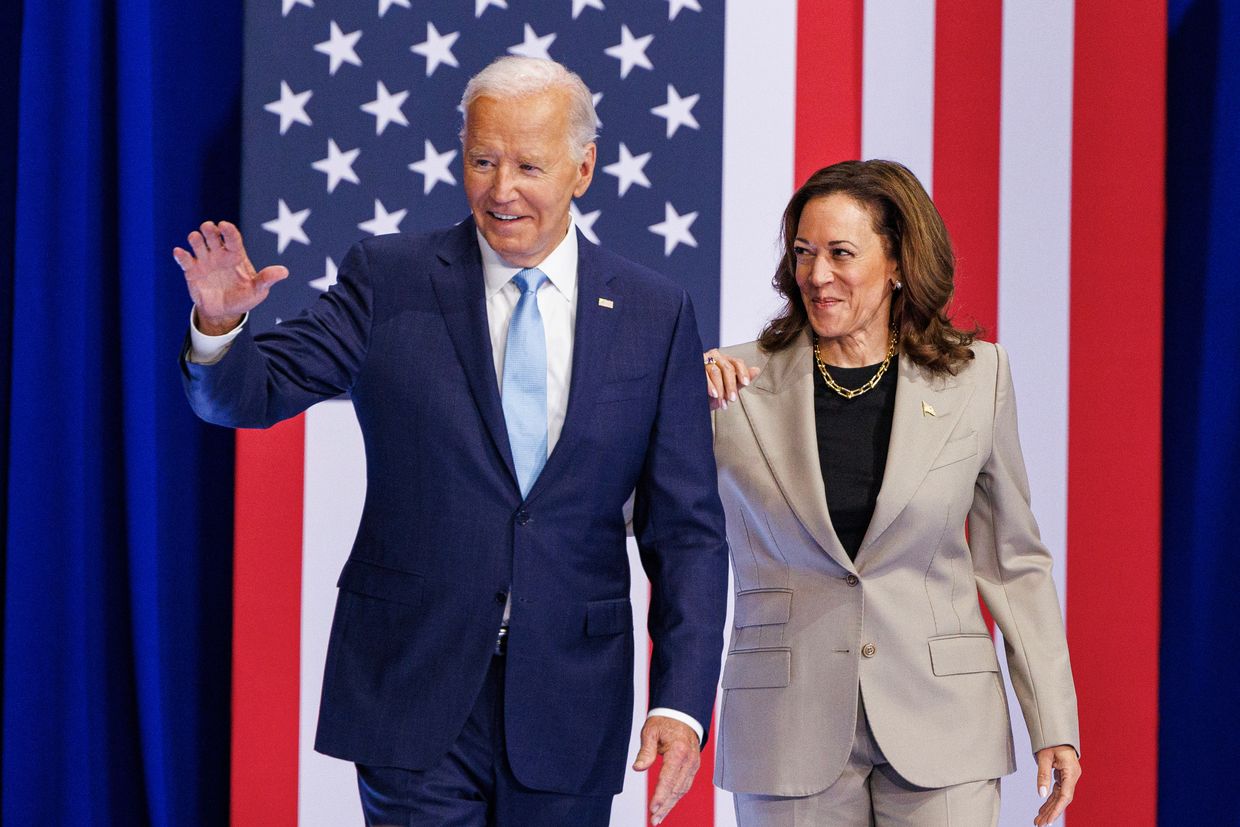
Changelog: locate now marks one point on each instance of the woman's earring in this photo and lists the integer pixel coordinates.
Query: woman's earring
(897, 285)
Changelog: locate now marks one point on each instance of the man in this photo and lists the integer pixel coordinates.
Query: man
(514, 385)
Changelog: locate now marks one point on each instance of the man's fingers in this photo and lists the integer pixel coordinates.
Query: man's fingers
(231, 236)
(182, 258)
(212, 235)
(270, 275)
(197, 244)
(649, 749)
(675, 779)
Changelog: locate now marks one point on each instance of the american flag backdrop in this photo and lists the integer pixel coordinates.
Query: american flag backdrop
(1037, 126)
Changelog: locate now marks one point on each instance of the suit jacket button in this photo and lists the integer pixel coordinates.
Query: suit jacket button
(852, 579)
(501, 597)
(869, 650)
(523, 517)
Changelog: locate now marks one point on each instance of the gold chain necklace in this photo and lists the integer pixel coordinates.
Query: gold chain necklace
(849, 393)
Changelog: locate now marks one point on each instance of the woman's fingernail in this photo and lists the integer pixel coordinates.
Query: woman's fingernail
(724, 404)
(714, 394)
(1042, 791)
(732, 398)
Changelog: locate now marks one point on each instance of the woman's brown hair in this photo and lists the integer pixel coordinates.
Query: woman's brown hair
(913, 235)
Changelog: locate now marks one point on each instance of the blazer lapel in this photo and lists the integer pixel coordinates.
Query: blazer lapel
(460, 291)
(926, 411)
(592, 338)
(780, 407)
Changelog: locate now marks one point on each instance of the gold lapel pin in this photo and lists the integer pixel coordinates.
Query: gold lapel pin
(927, 409)
(608, 303)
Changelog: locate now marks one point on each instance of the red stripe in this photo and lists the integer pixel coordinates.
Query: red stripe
(267, 625)
(968, 40)
(1115, 393)
(967, 68)
(828, 93)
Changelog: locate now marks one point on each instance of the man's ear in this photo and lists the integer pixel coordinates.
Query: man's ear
(585, 170)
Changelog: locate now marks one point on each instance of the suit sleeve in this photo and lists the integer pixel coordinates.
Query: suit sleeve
(1013, 570)
(678, 522)
(264, 379)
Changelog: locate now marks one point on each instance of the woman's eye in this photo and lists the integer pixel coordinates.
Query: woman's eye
(802, 252)
(840, 252)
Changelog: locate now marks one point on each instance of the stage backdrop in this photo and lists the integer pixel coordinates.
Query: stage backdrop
(1037, 125)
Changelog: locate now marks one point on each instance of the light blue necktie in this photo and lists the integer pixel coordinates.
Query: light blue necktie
(525, 381)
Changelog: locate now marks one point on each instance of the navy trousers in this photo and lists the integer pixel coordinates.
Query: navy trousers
(473, 785)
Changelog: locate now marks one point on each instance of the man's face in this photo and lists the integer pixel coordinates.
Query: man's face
(519, 174)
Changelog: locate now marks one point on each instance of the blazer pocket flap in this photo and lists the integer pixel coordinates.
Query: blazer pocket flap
(762, 607)
(758, 669)
(956, 450)
(609, 617)
(961, 654)
(362, 577)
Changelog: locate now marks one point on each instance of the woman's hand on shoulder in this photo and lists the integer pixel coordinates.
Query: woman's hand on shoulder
(725, 376)
(1061, 767)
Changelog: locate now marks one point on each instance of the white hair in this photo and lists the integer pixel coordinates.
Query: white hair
(517, 77)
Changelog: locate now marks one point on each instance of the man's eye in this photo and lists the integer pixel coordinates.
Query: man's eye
(481, 163)
(528, 168)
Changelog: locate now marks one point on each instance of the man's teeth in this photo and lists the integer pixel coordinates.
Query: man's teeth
(504, 217)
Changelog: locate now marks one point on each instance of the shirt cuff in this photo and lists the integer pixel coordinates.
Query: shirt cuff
(687, 720)
(207, 350)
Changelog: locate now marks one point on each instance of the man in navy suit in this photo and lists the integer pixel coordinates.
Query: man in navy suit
(514, 385)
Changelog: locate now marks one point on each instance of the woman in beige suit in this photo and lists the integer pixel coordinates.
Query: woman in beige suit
(861, 684)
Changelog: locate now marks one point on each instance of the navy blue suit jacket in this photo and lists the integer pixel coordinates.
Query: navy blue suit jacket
(444, 530)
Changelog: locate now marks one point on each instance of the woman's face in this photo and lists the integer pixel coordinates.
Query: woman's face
(844, 273)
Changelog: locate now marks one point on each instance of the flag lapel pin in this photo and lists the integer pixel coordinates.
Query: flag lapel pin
(608, 303)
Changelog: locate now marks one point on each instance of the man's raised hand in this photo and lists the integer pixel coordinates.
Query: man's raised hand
(221, 280)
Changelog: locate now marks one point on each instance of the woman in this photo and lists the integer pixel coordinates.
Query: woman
(861, 684)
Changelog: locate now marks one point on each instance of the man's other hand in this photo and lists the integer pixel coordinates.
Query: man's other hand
(681, 751)
(221, 280)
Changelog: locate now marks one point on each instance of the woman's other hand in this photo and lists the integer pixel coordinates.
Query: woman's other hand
(725, 375)
(1066, 768)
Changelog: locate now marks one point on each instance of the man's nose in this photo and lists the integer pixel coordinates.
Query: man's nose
(503, 185)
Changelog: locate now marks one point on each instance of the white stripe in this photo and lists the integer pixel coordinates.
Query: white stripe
(1035, 200)
(629, 807)
(335, 486)
(759, 169)
(759, 130)
(897, 85)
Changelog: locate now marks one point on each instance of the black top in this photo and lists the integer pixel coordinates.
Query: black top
(852, 446)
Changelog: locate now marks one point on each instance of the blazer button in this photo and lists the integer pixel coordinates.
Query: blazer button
(852, 579)
(523, 517)
(869, 650)
(501, 597)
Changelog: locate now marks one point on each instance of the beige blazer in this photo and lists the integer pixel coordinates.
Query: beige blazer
(901, 624)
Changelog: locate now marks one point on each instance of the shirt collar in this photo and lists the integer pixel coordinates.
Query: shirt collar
(560, 265)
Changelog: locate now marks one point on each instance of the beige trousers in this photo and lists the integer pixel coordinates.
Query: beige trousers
(869, 793)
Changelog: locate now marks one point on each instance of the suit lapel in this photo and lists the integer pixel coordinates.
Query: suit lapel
(917, 437)
(460, 291)
(592, 338)
(780, 408)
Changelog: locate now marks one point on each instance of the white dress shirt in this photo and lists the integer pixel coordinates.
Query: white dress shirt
(557, 303)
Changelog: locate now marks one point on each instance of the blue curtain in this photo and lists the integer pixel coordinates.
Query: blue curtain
(1200, 725)
(116, 590)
